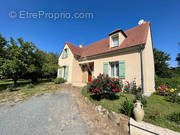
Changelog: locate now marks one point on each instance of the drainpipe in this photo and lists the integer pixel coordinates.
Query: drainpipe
(142, 72)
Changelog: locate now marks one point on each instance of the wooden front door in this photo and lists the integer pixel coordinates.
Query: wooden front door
(89, 75)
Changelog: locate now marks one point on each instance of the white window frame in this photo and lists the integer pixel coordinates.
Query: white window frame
(113, 42)
(114, 66)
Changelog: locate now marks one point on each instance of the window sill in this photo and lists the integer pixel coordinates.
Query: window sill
(115, 46)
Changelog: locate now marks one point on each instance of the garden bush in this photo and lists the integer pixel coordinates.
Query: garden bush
(163, 90)
(127, 87)
(169, 82)
(131, 88)
(174, 117)
(59, 80)
(30, 85)
(11, 88)
(142, 99)
(174, 96)
(105, 86)
(127, 107)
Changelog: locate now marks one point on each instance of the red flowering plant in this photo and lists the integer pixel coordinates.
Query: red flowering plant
(163, 90)
(105, 86)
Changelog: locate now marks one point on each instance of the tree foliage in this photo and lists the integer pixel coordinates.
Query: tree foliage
(20, 59)
(49, 63)
(178, 58)
(3, 51)
(161, 63)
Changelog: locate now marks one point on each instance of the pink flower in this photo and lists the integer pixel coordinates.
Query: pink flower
(113, 89)
(163, 91)
(98, 90)
(119, 89)
(112, 84)
(128, 83)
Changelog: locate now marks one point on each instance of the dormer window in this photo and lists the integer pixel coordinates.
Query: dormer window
(116, 38)
(115, 41)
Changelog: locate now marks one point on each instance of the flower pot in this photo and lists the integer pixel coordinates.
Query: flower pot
(138, 111)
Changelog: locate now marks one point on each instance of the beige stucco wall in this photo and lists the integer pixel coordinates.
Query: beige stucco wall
(67, 62)
(77, 71)
(132, 65)
(148, 65)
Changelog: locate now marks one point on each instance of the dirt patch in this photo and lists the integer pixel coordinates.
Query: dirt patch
(97, 124)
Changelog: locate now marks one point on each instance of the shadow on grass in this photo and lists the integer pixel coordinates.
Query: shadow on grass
(99, 97)
(21, 83)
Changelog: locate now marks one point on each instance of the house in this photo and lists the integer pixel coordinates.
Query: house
(124, 54)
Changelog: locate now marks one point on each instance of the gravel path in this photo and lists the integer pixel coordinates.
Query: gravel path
(50, 114)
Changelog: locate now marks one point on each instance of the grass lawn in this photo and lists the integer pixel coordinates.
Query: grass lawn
(22, 92)
(156, 111)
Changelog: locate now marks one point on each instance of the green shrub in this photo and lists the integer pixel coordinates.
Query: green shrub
(59, 80)
(174, 97)
(163, 90)
(141, 98)
(11, 88)
(131, 88)
(127, 107)
(169, 82)
(30, 85)
(174, 117)
(105, 86)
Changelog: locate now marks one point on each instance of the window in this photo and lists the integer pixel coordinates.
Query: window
(63, 71)
(65, 53)
(114, 69)
(115, 41)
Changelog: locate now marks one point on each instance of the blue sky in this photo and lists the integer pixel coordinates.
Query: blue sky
(50, 35)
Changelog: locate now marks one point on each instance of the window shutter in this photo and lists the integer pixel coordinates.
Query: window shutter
(105, 68)
(67, 52)
(62, 54)
(66, 73)
(60, 70)
(122, 69)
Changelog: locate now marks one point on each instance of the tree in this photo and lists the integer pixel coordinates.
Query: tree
(161, 63)
(21, 60)
(3, 52)
(178, 58)
(50, 65)
(13, 67)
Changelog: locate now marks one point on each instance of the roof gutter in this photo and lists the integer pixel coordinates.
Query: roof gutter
(136, 47)
(142, 71)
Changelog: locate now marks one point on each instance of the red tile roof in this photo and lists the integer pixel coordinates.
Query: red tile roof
(135, 36)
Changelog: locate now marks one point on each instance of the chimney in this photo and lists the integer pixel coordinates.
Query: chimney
(80, 45)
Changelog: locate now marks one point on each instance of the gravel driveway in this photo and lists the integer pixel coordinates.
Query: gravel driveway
(50, 114)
